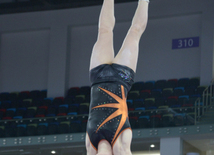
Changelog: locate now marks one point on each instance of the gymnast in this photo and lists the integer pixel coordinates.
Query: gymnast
(108, 129)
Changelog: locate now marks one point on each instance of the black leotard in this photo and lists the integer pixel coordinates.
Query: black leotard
(108, 114)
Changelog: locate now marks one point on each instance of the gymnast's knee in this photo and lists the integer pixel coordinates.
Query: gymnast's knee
(105, 29)
(138, 28)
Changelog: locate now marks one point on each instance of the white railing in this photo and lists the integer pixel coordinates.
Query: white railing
(203, 104)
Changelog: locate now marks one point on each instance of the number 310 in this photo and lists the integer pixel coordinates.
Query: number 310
(185, 43)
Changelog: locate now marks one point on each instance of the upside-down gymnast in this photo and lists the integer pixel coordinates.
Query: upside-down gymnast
(108, 129)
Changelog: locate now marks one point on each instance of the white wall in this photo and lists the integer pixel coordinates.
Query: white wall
(210, 152)
(157, 60)
(24, 60)
(82, 40)
(174, 143)
(61, 43)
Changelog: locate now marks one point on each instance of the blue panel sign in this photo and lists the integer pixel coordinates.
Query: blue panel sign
(185, 43)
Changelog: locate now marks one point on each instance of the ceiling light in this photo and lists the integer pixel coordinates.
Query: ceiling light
(53, 152)
(152, 145)
(146, 153)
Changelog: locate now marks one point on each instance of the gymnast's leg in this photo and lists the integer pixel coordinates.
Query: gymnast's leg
(103, 52)
(128, 56)
(122, 145)
(90, 150)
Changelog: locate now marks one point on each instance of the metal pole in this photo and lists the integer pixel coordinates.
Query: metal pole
(207, 103)
(211, 93)
(204, 104)
(195, 112)
(199, 100)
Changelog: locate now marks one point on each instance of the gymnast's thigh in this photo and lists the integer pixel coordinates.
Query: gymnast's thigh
(122, 145)
(103, 52)
(104, 148)
(89, 148)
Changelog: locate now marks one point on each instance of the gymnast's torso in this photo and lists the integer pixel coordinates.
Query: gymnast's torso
(108, 112)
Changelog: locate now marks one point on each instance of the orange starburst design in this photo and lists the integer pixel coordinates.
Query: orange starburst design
(121, 110)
